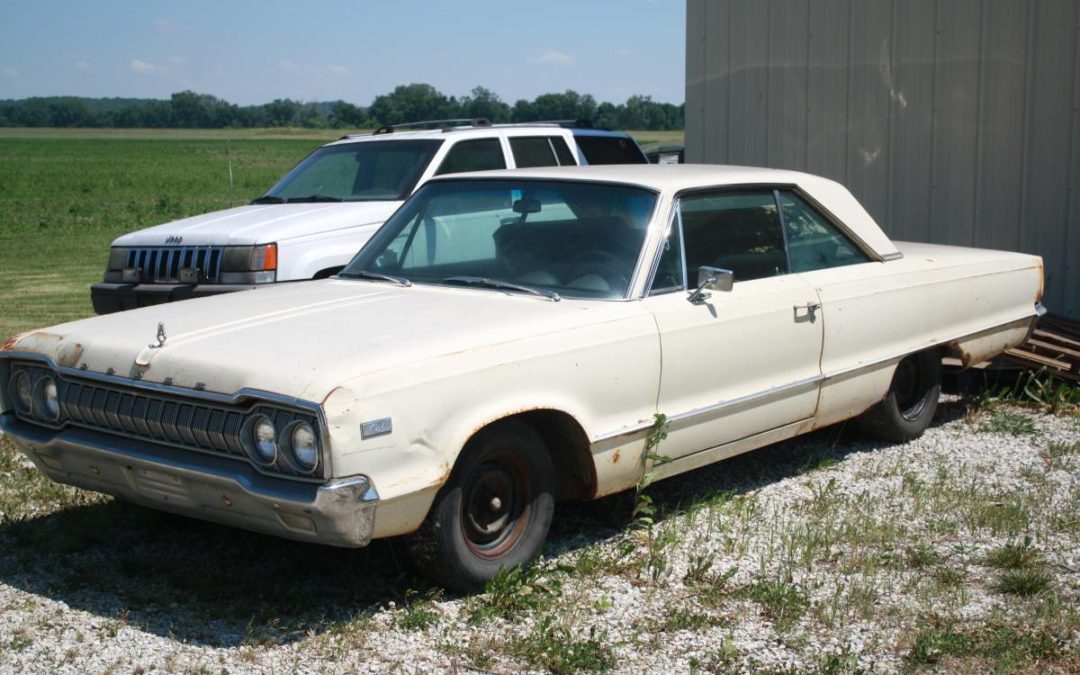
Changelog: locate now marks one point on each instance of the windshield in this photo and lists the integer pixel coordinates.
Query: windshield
(563, 238)
(367, 171)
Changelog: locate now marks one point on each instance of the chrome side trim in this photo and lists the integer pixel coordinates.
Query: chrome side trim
(896, 255)
(713, 408)
(774, 391)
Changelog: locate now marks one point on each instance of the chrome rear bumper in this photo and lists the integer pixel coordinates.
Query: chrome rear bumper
(340, 512)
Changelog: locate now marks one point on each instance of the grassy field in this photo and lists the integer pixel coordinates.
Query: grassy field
(66, 193)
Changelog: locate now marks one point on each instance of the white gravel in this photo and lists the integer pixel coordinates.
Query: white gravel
(902, 497)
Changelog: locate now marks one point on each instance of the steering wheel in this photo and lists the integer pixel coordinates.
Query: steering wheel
(608, 266)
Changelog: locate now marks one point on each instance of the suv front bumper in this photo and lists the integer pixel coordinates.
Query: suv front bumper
(340, 512)
(109, 297)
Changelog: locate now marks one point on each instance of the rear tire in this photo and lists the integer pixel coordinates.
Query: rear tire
(494, 512)
(907, 410)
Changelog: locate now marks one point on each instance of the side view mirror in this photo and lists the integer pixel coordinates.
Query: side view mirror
(711, 279)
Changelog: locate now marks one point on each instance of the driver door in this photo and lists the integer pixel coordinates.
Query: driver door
(737, 363)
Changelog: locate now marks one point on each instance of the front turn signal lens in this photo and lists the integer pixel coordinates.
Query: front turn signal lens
(264, 258)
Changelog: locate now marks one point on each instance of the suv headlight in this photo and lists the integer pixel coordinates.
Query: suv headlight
(249, 264)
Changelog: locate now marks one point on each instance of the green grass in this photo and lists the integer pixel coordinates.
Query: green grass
(64, 198)
(65, 194)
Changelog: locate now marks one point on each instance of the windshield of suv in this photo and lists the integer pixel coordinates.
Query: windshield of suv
(544, 237)
(366, 171)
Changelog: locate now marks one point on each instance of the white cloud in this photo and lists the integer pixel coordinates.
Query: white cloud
(166, 26)
(554, 57)
(337, 71)
(177, 60)
(145, 68)
(82, 66)
(11, 71)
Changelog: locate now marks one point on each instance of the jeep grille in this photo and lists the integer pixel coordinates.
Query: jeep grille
(162, 264)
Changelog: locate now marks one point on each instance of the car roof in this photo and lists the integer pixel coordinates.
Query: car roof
(671, 179)
(484, 131)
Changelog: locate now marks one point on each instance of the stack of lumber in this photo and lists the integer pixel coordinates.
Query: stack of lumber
(1054, 346)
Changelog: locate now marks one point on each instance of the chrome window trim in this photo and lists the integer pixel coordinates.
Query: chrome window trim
(236, 399)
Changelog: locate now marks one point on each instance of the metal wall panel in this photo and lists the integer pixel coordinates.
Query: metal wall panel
(953, 121)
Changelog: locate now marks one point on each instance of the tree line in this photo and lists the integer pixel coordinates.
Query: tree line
(407, 103)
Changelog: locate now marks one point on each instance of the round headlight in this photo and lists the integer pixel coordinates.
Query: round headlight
(304, 448)
(49, 398)
(264, 439)
(20, 391)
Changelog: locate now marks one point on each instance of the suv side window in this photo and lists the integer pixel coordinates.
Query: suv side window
(476, 155)
(735, 230)
(532, 151)
(609, 150)
(813, 242)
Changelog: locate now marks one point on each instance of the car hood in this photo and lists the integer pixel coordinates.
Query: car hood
(303, 339)
(261, 223)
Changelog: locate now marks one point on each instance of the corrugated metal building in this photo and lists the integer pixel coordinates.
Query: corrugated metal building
(953, 121)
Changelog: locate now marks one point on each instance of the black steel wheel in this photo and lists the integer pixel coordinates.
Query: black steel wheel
(909, 407)
(494, 511)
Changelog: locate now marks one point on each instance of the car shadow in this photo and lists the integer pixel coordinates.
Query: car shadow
(216, 586)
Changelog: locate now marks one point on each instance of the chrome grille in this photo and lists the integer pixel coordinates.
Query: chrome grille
(163, 418)
(162, 264)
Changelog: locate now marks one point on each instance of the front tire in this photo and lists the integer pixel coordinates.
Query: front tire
(494, 511)
(907, 410)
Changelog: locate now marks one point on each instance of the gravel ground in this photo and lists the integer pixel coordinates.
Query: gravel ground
(823, 554)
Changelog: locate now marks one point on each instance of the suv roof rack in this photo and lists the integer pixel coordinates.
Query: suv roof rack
(445, 125)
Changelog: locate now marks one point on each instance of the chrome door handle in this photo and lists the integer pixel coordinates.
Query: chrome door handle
(811, 312)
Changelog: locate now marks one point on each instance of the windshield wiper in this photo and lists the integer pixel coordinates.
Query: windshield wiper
(505, 285)
(400, 281)
(272, 199)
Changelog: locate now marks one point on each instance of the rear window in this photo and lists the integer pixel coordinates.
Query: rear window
(610, 150)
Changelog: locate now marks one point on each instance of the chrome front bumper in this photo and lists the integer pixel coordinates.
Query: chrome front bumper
(340, 512)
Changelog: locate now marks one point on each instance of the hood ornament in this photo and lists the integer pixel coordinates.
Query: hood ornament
(161, 337)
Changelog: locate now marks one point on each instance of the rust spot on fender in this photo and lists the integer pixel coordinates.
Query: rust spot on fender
(62, 352)
(9, 344)
(615, 457)
(965, 357)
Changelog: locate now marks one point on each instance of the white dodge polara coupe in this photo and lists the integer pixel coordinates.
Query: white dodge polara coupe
(506, 340)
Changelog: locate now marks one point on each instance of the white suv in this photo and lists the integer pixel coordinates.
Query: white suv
(312, 222)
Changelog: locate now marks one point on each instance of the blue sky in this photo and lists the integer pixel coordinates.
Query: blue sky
(253, 52)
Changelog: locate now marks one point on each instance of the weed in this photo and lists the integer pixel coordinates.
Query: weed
(1013, 556)
(699, 568)
(551, 646)
(920, 556)
(1027, 581)
(515, 592)
(418, 615)
(681, 618)
(1009, 422)
(783, 603)
(1059, 455)
(1005, 647)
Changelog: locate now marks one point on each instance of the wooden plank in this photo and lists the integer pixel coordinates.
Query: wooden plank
(1044, 360)
(1055, 337)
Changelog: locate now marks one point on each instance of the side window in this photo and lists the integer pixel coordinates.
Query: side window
(739, 231)
(533, 151)
(479, 155)
(813, 242)
(562, 151)
(669, 271)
